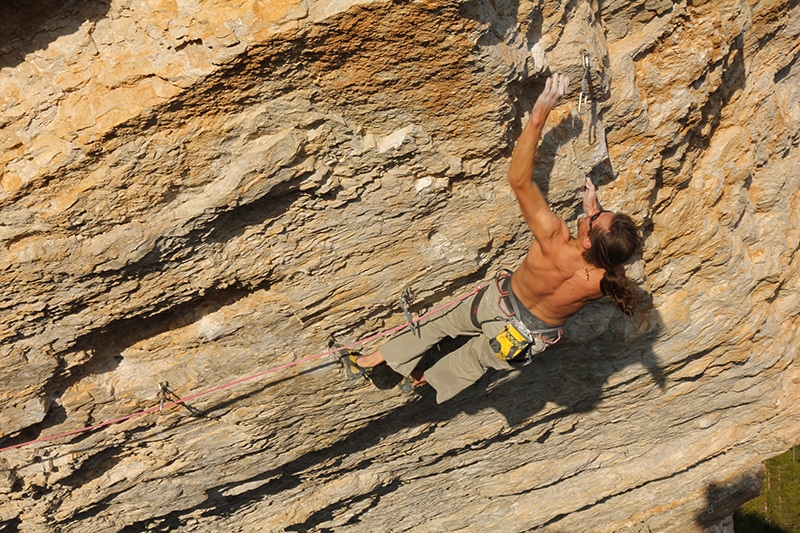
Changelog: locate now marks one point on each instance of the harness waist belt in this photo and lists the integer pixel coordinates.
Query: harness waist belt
(531, 321)
(520, 316)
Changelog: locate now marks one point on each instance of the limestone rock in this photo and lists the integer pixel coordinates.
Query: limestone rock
(197, 192)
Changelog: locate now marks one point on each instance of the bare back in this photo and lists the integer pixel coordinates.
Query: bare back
(554, 285)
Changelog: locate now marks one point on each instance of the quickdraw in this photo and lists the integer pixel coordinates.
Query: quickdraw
(583, 103)
(405, 296)
(583, 99)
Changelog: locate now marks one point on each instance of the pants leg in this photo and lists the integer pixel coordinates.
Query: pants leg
(403, 352)
(464, 366)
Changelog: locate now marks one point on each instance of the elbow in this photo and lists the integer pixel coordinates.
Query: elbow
(516, 180)
(512, 180)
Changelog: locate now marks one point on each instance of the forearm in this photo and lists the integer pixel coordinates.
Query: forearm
(590, 207)
(594, 208)
(520, 172)
(543, 223)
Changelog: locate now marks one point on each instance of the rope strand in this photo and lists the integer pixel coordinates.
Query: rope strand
(239, 381)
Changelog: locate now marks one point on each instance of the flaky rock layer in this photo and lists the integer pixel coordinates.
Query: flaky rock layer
(196, 192)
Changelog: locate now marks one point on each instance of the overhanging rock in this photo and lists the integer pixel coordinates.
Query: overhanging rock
(196, 192)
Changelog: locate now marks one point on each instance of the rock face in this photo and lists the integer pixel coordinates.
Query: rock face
(194, 192)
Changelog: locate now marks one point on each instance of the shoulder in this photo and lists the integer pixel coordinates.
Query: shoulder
(554, 237)
(557, 259)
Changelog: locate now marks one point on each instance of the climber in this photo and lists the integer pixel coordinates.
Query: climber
(518, 315)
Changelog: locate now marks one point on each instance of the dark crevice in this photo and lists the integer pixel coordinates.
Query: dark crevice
(195, 42)
(686, 361)
(612, 496)
(784, 73)
(734, 78)
(94, 509)
(327, 513)
(95, 466)
(10, 526)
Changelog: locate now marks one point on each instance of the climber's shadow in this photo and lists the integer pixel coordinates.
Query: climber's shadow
(30, 25)
(572, 374)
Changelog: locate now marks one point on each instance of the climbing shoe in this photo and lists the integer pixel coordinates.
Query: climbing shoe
(383, 377)
(347, 358)
(407, 385)
(349, 362)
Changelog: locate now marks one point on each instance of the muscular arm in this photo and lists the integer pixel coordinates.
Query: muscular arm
(544, 224)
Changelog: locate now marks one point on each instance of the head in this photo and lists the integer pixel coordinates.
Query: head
(609, 240)
(612, 239)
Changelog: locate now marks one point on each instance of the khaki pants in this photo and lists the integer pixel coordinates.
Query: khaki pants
(464, 366)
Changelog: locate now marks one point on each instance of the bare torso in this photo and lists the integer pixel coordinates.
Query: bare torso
(554, 286)
(552, 281)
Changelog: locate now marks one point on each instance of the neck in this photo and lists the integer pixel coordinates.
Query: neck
(580, 249)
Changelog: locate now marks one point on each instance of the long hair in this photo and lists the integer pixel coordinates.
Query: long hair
(610, 249)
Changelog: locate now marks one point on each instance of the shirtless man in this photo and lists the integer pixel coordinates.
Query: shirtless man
(523, 313)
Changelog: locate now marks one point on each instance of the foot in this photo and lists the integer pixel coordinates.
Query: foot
(370, 361)
(383, 377)
(349, 362)
(418, 378)
(407, 386)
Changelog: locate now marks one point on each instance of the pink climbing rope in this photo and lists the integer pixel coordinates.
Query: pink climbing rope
(237, 381)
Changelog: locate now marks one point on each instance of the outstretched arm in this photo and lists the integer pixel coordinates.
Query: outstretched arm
(544, 224)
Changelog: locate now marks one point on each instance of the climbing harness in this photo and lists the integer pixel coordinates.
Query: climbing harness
(513, 343)
(473, 308)
(476, 301)
(504, 277)
(519, 342)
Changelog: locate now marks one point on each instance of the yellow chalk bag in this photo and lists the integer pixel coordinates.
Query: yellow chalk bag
(509, 343)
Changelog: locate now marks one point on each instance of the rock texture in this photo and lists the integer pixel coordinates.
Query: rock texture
(193, 192)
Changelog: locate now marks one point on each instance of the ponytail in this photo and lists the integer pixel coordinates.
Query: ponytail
(610, 250)
(620, 290)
